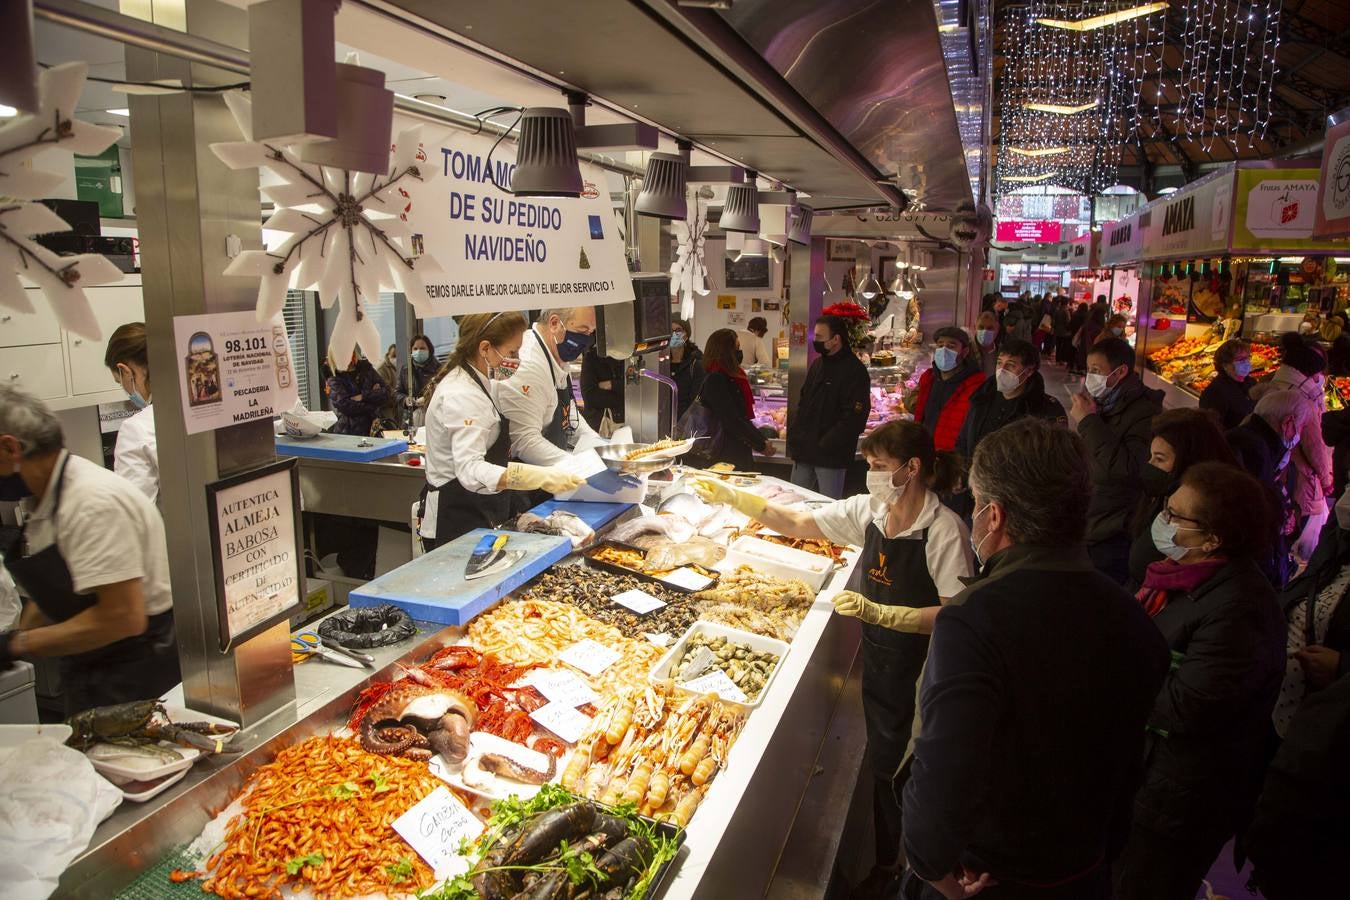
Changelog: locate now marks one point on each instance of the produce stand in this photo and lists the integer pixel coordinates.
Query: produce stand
(736, 836)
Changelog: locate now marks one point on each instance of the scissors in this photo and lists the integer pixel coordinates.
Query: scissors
(307, 642)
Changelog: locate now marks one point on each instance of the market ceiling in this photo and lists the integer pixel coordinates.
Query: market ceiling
(776, 86)
(1312, 81)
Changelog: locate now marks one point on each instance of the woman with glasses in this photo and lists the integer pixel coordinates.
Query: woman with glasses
(1208, 730)
(470, 481)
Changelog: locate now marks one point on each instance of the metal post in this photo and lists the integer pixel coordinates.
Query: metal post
(806, 297)
(187, 203)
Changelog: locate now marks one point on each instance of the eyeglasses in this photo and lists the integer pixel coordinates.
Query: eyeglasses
(1169, 517)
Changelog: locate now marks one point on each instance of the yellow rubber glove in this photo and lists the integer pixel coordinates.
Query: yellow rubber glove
(524, 477)
(713, 491)
(896, 618)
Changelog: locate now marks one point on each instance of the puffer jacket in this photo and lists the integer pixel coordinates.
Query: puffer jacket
(1118, 444)
(1312, 457)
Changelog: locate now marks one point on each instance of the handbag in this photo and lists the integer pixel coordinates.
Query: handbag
(699, 421)
(607, 425)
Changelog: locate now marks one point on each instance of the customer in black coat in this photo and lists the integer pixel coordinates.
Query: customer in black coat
(831, 412)
(1208, 732)
(1113, 414)
(1016, 391)
(1229, 394)
(726, 395)
(686, 363)
(602, 387)
(1336, 434)
(1039, 681)
(1261, 445)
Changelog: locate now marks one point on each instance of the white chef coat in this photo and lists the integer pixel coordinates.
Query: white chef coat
(529, 398)
(755, 350)
(461, 425)
(106, 530)
(135, 456)
(947, 553)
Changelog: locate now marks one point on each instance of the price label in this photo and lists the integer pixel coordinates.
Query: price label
(563, 687)
(717, 682)
(639, 602)
(435, 826)
(562, 720)
(688, 579)
(590, 656)
(698, 662)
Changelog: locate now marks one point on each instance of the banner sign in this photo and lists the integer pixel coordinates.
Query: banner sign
(1122, 241)
(1333, 208)
(235, 370)
(501, 252)
(1193, 220)
(1028, 232)
(1276, 209)
(1085, 251)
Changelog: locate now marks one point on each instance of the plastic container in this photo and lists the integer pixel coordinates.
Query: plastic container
(775, 559)
(757, 642)
(139, 791)
(141, 768)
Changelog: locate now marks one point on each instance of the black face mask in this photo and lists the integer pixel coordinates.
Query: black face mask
(1157, 483)
(573, 344)
(740, 357)
(13, 488)
(820, 348)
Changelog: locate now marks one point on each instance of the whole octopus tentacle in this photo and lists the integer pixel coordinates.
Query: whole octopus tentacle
(386, 741)
(499, 764)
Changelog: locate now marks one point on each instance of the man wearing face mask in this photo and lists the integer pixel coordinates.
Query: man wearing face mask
(945, 389)
(136, 454)
(831, 413)
(1039, 681)
(1016, 391)
(546, 426)
(91, 561)
(916, 552)
(1113, 414)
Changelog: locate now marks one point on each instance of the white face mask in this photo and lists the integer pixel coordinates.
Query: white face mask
(882, 489)
(1006, 381)
(974, 544)
(1097, 385)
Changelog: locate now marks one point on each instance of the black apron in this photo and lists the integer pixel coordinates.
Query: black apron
(892, 572)
(135, 668)
(459, 510)
(562, 429)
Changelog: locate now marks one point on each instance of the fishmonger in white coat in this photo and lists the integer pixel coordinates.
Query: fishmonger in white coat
(135, 455)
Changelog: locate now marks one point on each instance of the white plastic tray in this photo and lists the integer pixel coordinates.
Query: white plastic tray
(757, 642)
(139, 791)
(495, 787)
(776, 559)
(142, 768)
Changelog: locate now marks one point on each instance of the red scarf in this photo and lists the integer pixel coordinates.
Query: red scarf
(739, 378)
(1166, 577)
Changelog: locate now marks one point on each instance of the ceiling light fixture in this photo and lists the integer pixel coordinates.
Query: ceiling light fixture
(7, 112)
(663, 192)
(1059, 109)
(740, 212)
(751, 247)
(868, 286)
(1038, 151)
(546, 155)
(125, 113)
(1105, 20)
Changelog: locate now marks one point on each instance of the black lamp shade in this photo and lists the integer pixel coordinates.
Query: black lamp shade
(546, 155)
(663, 188)
(741, 210)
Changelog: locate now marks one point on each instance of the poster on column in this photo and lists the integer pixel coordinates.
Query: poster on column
(255, 522)
(235, 369)
(496, 251)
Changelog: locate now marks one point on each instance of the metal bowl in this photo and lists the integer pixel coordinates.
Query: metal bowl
(613, 456)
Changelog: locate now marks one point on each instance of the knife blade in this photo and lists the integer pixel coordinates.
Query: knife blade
(487, 551)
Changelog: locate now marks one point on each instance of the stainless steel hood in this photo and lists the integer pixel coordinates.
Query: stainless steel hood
(875, 70)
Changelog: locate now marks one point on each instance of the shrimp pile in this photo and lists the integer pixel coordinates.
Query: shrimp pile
(654, 751)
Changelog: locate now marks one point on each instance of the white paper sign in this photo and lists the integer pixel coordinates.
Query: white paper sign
(563, 720)
(497, 251)
(639, 602)
(235, 370)
(716, 682)
(563, 687)
(257, 556)
(687, 578)
(435, 828)
(590, 656)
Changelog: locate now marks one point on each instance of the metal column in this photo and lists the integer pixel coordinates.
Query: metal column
(806, 297)
(187, 203)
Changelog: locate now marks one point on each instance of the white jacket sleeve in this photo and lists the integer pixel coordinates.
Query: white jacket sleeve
(529, 404)
(136, 456)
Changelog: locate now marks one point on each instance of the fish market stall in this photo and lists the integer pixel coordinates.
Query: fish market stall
(653, 672)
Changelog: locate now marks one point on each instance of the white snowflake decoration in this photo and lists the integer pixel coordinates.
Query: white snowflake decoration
(62, 279)
(343, 226)
(688, 274)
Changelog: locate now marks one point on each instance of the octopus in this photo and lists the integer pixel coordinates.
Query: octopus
(417, 721)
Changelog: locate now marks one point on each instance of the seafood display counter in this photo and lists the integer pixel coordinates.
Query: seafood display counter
(708, 714)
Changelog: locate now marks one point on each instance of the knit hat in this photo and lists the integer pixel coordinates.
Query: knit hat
(1298, 354)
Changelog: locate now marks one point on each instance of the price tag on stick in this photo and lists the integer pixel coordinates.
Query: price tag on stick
(591, 657)
(562, 720)
(639, 602)
(716, 682)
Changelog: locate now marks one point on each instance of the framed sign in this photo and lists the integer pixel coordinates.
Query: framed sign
(840, 251)
(255, 531)
(747, 272)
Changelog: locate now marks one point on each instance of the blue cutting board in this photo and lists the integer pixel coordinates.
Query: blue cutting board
(432, 588)
(596, 515)
(340, 447)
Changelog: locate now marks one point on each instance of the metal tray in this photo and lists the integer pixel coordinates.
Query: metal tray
(602, 565)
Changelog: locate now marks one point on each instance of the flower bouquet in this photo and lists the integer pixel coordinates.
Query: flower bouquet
(859, 322)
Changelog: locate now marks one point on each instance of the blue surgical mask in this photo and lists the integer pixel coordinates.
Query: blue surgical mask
(1164, 536)
(985, 336)
(573, 344)
(1118, 332)
(1242, 367)
(136, 397)
(421, 356)
(944, 358)
(677, 340)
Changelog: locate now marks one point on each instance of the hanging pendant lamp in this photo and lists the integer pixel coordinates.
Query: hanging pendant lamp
(663, 188)
(740, 212)
(546, 155)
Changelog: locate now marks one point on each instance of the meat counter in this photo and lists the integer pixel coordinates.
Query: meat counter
(737, 836)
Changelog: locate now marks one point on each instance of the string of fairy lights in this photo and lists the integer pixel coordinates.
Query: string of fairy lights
(1074, 72)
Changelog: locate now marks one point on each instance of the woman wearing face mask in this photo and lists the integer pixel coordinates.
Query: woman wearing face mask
(357, 394)
(414, 377)
(388, 372)
(944, 389)
(1115, 327)
(915, 553)
(470, 481)
(726, 395)
(1181, 438)
(988, 337)
(135, 456)
(686, 363)
(1229, 394)
(1207, 734)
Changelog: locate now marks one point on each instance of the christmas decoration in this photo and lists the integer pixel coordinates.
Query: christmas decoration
(859, 322)
(688, 274)
(344, 227)
(62, 279)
